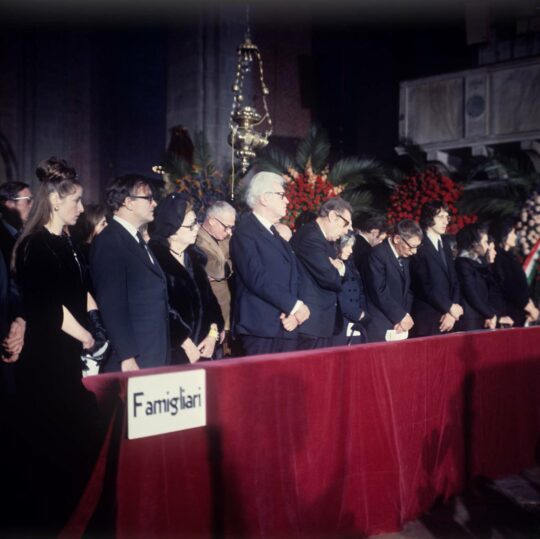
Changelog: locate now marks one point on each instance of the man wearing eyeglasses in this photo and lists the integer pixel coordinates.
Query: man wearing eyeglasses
(267, 308)
(15, 205)
(387, 282)
(213, 239)
(321, 271)
(131, 290)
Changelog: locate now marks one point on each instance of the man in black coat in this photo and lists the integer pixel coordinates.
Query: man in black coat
(436, 306)
(131, 290)
(387, 282)
(321, 271)
(266, 309)
(369, 230)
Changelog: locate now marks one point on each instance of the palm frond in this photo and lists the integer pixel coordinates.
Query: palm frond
(272, 159)
(202, 154)
(361, 173)
(488, 206)
(174, 165)
(361, 201)
(313, 149)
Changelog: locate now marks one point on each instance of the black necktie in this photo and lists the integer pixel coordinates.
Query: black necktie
(142, 243)
(441, 252)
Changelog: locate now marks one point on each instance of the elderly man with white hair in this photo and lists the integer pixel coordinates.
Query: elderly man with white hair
(267, 309)
(213, 239)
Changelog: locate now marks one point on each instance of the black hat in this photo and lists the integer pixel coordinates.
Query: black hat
(169, 216)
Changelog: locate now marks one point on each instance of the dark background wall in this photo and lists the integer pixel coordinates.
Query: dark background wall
(104, 93)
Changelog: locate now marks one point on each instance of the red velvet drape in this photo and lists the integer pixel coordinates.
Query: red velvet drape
(337, 442)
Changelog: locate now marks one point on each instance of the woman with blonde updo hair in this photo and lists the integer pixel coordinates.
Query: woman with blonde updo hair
(57, 412)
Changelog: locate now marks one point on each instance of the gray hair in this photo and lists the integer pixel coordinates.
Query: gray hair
(408, 229)
(219, 208)
(260, 184)
(336, 204)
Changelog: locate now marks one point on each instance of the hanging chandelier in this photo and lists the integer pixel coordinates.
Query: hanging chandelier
(249, 128)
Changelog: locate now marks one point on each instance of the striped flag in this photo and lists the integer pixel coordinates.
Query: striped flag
(531, 262)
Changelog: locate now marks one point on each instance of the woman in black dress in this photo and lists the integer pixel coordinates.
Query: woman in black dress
(58, 415)
(475, 279)
(196, 319)
(351, 299)
(510, 276)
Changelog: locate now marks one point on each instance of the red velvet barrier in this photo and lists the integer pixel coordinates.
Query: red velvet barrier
(337, 442)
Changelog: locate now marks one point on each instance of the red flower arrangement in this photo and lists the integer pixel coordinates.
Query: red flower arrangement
(306, 192)
(414, 191)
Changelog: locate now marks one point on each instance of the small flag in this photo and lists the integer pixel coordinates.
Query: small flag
(531, 262)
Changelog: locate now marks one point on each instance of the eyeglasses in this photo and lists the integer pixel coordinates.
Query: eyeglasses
(411, 247)
(347, 223)
(282, 194)
(29, 198)
(192, 226)
(228, 228)
(150, 198)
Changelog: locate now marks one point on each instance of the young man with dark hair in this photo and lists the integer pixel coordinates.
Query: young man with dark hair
(130, 286)
(436, 307)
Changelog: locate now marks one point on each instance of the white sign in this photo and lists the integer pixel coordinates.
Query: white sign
(161, 403)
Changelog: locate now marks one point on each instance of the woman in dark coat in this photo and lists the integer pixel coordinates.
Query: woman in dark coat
(514, 289)
(474, 278)
(196, 319)
(351, 299)
(58, 414)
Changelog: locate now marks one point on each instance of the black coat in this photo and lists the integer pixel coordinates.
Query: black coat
(192, 304)
(360, 254)
(131, 293)
(389, 297)
(434, 285)
(513, 286)
(475, 282)
(320, 281)
(266, 280)
(351, 302)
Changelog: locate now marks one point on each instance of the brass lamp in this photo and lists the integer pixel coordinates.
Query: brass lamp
(249, 128)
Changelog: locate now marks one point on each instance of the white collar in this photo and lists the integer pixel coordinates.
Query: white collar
(128, 226)
(389, 240)
(434, 238)
(264, 222)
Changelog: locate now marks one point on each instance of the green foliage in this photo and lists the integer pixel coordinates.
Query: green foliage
(202, 155)
(272, 159)
(313, 149)
(497, 186)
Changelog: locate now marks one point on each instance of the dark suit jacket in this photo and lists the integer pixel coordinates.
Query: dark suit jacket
(434, 285)
(266, 278)
(131, 294)
(474, 279)
(360, 254)
(320, 282)
(389, 297)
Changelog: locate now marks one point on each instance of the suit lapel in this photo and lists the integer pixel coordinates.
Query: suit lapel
(430, 248)
(277, 242)
(136, 249)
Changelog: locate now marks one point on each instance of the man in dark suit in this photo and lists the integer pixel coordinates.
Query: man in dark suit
(369, 230)
(387, 282)
(15, 204)
(266, 308)
(434, 281)
(130, 286)
(322, 272)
